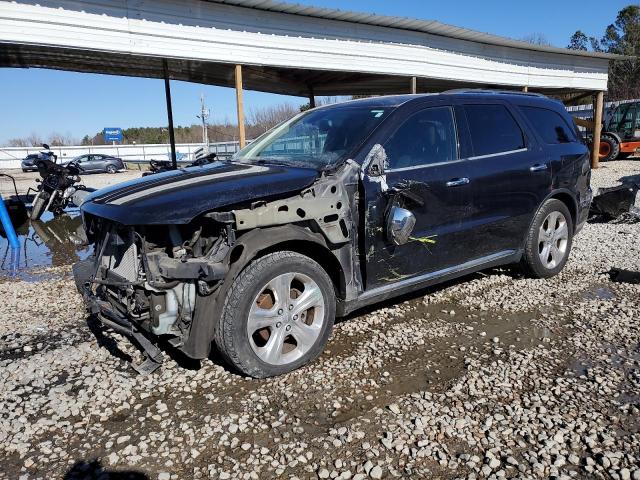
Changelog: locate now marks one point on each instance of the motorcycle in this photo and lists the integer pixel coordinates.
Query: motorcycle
(58, 188)
(158, 166)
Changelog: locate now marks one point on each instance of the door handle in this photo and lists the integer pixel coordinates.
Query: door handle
(456, 182)
(538, 167)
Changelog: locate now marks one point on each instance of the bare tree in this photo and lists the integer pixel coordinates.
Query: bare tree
(34, 140)
(60, 140)
(537, 39)
(268, 117)
(18, 142)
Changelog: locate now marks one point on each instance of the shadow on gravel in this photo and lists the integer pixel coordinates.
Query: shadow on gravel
(104, 341)
(620, 275)
(630, 179)
(83, 470)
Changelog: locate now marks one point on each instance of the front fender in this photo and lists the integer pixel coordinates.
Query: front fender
(246, 248)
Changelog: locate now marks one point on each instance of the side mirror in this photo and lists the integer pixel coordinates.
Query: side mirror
(400, 223)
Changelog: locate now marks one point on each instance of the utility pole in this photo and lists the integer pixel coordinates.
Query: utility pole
(204, 115)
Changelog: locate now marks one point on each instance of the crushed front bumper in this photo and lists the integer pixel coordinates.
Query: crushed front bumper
(112, 318)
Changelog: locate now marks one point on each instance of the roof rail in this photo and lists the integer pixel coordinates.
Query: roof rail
(495, 92)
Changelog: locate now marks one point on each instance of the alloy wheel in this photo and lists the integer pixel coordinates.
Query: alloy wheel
(286, 318)
(553, 239)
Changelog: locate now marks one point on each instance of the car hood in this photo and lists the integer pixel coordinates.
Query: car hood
(178, 196)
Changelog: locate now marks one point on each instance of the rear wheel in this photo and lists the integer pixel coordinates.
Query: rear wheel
(609, 148)
(277, 316)
(549, 240)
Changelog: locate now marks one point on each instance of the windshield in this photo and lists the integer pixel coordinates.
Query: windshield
(316, 139)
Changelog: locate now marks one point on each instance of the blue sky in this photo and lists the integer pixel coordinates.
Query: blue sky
(46, 101)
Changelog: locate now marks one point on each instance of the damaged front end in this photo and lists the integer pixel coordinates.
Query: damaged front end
(143, 281)
(147, 281)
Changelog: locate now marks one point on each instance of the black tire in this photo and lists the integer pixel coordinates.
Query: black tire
(39, 203)
(609, 148)
(231, 335)
(624, 155)
(111, 169)
(531, 260)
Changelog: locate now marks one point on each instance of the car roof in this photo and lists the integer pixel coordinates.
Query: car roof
(398, 100)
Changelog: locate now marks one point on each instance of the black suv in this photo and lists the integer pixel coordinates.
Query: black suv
(337, 208)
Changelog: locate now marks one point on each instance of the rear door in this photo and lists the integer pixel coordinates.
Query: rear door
(95, 163)
(566, 151)
(511, 176)
(428, 174)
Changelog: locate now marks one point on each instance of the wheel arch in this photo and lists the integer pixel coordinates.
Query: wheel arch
(260, 242)
(254, 244)
(566, 197)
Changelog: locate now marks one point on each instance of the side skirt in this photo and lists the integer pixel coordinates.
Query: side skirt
(401, 287)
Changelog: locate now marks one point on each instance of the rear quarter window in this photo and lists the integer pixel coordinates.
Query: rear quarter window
(552, 128)
(493, 129)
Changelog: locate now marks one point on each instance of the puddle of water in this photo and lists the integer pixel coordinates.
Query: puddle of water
(598, 292)
(48, 242)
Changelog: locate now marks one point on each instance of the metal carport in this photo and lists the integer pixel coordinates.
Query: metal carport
(283, 48)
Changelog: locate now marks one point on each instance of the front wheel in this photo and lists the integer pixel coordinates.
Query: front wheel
(549, 240)
(277, 316)
(38, 205)
(111, 169)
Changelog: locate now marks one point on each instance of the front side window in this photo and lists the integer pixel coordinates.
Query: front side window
(550, 125)
(493, 130)
(426, 137)
(315, 139)
(616, 119)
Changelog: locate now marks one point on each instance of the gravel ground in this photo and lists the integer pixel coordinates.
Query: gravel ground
(491, 376)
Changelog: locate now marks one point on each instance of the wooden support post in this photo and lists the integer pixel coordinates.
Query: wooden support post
(167, 94)
(525, 89)
(240, 107)
(414, 85)
(597, 130)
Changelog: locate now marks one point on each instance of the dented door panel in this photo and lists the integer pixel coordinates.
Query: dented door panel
(442, 234)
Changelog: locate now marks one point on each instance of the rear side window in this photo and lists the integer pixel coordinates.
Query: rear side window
(426, 137)
(493, 129)
(550, 125)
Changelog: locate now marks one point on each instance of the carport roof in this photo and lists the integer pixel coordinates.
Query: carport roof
(283, 47)
(404, 23)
